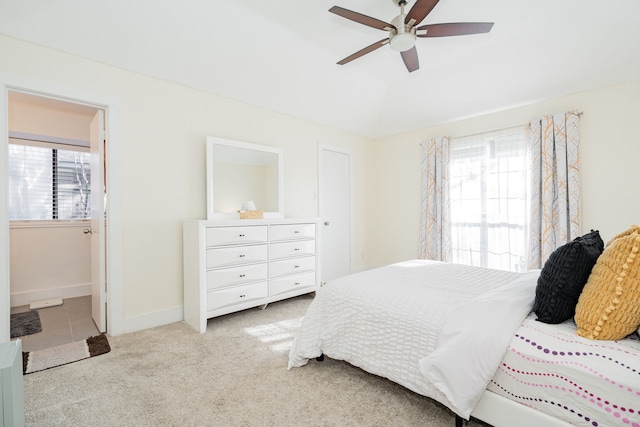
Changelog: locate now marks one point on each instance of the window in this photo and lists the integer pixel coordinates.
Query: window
(48, 181)
(488, 194)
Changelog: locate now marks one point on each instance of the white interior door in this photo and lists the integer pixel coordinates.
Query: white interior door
(335, 211)
(98, 280)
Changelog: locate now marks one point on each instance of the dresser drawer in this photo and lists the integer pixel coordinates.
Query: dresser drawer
(293, 231)
(292, 249)
(223, 277)
(233, 255)
(291, 266)
(236, 295)
(219, 236)
(292, 283)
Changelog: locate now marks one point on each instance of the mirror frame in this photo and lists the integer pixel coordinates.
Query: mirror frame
(213, 141)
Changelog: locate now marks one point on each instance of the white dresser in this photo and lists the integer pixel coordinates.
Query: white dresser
(232, 265)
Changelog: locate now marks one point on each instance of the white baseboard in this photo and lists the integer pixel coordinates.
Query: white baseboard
(131, 324)
(152, 320)
(26, 298)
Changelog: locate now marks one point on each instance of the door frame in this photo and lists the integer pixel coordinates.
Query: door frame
(114, 268)
(97, 142)
(327, 147)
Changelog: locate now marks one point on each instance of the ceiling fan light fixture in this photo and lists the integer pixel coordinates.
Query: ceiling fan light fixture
(402, 42)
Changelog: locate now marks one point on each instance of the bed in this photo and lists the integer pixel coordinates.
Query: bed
(409, 321)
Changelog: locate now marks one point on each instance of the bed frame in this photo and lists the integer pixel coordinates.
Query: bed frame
(502, 412)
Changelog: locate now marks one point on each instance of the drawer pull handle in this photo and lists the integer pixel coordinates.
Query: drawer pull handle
(296, 249)
(242, 255)
(242, 295)
(241, 235)
(297, 232)
(296, 284)
(296, 266)
(242, 275)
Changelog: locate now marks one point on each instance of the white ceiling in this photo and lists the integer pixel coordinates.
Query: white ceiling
(282, 55)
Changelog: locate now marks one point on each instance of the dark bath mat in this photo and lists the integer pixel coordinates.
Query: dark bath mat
(26, 323)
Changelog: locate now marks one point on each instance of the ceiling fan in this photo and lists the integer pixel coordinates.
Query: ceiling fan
(403, 31)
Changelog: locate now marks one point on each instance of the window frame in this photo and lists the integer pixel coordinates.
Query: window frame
(485, 145)
(55, 144)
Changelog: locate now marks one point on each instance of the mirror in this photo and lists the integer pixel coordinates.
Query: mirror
(239, 173)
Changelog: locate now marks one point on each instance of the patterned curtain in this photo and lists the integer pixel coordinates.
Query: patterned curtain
(435, 237)
(555, 189)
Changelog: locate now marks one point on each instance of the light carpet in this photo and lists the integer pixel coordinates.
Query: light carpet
(235, 374)
(39, 360)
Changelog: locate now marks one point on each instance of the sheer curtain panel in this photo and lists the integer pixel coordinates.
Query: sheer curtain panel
(555, 179)
(435, 238)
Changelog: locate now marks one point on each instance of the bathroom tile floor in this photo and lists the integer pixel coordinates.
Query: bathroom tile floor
(61, 324)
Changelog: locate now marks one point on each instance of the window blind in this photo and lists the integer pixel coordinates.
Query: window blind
(48, 181)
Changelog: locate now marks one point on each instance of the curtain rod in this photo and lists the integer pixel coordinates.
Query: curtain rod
(488, 131)
(577, 113)
(477, 133)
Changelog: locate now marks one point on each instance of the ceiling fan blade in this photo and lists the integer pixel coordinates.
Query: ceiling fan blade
(410, 58)
(364, 51)
(360, 18)
(420, 10)
(455, 29)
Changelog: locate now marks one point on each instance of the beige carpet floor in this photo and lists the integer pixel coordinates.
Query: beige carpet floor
(235, 374)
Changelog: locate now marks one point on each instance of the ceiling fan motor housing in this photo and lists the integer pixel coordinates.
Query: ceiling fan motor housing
(403, 36)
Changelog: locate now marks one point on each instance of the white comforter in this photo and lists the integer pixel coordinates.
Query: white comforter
(439, 329)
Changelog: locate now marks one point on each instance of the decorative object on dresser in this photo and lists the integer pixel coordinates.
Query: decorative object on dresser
(251, 214)
(232, 265)
(249, 211)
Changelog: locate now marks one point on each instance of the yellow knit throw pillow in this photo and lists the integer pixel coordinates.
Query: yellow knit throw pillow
(609, 305)
(633, 229)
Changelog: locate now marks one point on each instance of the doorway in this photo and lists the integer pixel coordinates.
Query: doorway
(69, 276)
(335, 202)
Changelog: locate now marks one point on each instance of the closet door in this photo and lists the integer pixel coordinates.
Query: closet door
(335, 202)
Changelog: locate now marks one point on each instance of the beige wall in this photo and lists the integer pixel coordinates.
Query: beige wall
(49, 261)
(609, 150)
(162, 129)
